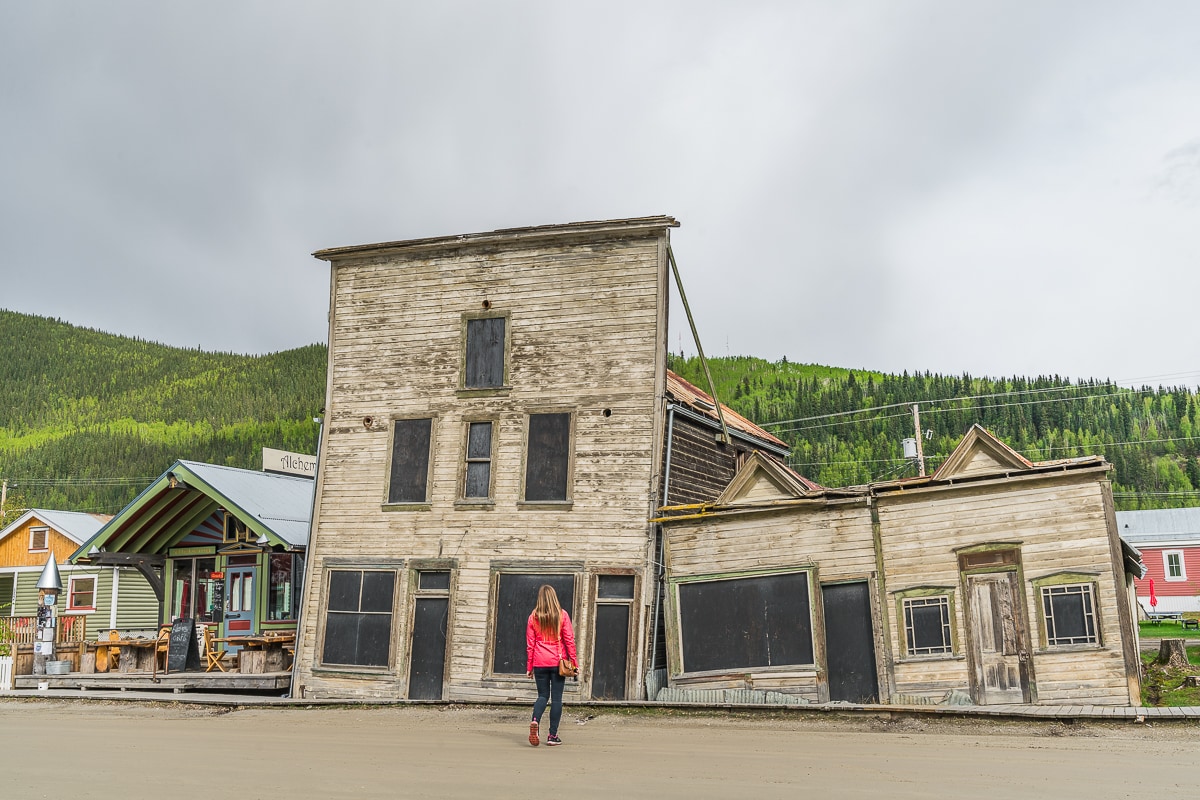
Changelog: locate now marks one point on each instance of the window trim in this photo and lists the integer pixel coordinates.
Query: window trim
(71, 593)
(413, 570)
(485, 391)
(573, 568)
(1182, 576)
(461, 498)
(549, 505)
(399, 587)
(42, 529)
(391, 449)
(675, 665)
(902, 599)
(1062, 580)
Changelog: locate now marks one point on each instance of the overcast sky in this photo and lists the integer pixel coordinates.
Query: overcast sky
(988, 187)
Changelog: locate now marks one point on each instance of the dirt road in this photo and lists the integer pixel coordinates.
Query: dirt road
(86, 750)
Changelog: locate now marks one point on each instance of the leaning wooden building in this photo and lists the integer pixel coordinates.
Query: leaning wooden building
(498, 416)
(996, 580)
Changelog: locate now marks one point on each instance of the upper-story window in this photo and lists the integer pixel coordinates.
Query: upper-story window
(408, 469)
(477, 465)
(548, 458)
(1173, 565)
(485, 350)
(39, 540)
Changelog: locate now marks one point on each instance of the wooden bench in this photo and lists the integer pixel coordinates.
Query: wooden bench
(1190, 624)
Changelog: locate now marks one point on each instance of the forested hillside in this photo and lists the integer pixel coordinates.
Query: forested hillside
(87, 418)
(1149, 434)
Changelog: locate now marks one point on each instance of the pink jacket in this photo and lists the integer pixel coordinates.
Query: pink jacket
(542, 652)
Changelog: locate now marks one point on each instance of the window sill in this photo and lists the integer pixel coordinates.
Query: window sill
(481, 504)
(545, 505)
(357, 672)
(484, 391)
(932, 657)
(1181, 579)
(1068, 648)
(406, 507)
(78, 611)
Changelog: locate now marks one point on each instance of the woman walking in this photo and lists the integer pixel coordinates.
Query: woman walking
(549, 638)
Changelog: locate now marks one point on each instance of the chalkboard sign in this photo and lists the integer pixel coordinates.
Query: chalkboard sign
(182, 652)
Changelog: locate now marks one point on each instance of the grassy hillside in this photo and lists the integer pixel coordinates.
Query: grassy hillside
(88, 418)
(1149, 434)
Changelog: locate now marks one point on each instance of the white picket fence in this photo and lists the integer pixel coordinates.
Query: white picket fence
(6, 673)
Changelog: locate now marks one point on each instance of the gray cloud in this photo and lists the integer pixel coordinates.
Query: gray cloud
(928, 185)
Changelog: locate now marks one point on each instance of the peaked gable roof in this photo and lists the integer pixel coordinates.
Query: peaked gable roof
(275, 506)
(763, 479)
(75, 525)
(981, 453)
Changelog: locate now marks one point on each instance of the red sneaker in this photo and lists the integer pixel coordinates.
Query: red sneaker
(533, 734)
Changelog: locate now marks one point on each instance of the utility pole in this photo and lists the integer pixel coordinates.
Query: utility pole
(916, 409)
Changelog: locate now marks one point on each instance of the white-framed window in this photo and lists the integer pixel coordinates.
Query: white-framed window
(1069, 614)
(81, 594)
(39, 540)
(927, 628)
(1173, 566)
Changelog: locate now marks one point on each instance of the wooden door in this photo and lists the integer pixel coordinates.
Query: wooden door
(612, 615)
(239, 603)
(999, 639)
(849, 642)
(428, 668)
(431, 621)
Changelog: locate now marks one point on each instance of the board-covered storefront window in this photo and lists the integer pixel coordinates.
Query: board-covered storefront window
(741, 623)
(195, 592)
(286, 571)
(516, 595)
(358, 618)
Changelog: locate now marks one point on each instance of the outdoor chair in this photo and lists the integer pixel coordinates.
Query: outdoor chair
(214, 654)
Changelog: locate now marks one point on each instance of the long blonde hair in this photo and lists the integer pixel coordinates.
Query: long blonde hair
(548, 613)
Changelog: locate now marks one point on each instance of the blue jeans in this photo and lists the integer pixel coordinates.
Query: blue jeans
(550, 688)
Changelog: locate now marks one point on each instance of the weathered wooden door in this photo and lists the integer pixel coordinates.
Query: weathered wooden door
(431, 618)
(999, 637)
(849, 642)
(612, 616)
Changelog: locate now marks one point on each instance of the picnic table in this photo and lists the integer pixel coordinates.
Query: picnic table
(262, 652)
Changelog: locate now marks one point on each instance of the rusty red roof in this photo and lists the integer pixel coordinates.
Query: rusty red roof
(702, 403)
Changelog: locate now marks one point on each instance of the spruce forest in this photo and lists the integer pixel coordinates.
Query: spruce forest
(88, 419)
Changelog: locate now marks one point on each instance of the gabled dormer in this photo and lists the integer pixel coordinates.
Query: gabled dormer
(981, 453)
(762, 479)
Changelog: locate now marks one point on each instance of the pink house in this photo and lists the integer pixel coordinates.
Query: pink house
(1169, 540)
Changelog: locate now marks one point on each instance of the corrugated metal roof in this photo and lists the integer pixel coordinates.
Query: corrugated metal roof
(702, 403)
(1159, 525)
(75, 525)
(282, 503)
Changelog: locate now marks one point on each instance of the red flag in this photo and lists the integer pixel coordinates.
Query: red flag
(1153, 599)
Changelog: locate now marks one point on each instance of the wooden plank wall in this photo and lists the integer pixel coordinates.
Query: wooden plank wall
(14, 548)
(1061, 525)
(835, 539)
(587, 331)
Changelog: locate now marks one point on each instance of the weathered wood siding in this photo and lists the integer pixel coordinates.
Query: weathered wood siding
(834, 540)
(700, 468)
(587, 327)
(1059, 523)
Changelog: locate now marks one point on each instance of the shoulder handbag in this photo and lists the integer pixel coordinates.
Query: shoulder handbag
(565, 668)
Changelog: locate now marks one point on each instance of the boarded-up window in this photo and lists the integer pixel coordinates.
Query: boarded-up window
(548, 460)
(39, 539)
(516, 596)
(484, 368)
(81, 594)
(927, 625)
(1070, 615)
(358, 618)
(477, 482)
(746, 622)
(409, 479)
